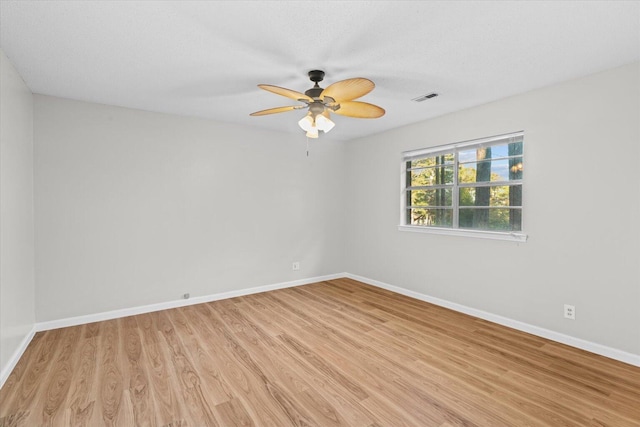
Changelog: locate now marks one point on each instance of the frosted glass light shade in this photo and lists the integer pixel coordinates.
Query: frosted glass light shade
(312, 133)
(324, 124)
(306, 123)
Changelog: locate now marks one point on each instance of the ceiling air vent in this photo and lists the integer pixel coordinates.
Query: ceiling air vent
(425, 97)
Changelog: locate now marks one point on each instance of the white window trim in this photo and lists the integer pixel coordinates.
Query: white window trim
(512, 236)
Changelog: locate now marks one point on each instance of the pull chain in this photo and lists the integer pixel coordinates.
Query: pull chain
(307, 146)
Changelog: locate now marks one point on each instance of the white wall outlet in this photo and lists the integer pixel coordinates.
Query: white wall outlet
(296, 266)
(570, 312)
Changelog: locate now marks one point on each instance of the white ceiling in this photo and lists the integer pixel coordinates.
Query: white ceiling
(205, 59)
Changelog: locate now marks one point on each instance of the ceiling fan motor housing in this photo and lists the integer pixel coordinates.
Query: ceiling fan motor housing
(316, 107)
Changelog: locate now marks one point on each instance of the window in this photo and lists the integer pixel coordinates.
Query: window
(469, 188)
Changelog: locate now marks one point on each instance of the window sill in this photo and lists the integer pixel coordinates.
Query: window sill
(495, 235)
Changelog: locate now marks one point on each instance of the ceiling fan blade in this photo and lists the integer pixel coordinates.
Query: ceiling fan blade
(361, 110)
(286, 92)
(347, 90)
(276, 110)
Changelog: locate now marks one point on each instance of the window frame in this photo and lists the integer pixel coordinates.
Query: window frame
(455, 148)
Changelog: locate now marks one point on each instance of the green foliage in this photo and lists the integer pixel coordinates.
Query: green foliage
(437, 170)
(435, 203)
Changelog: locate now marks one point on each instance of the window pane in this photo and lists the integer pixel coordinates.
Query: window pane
(515, 148)
(503, 195)
(491, 170)
(432, 217)
(474, 154)
(432, 176)
(472, 184)
(515, 168)
(437, 197)
(491, 219)
(492, 152)
(445, 159)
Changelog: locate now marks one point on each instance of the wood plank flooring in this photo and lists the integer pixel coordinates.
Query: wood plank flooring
(336, 353)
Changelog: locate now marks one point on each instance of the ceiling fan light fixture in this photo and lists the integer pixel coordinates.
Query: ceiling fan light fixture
(306, 123)
(336, 98)
(323, 123)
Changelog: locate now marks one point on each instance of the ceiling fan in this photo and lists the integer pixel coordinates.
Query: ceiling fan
(337, 98)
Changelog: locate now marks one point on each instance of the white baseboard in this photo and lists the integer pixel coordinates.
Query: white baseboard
(115, 314)
(15, 357)
(612, 353)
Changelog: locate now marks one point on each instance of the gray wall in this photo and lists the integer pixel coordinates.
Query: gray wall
(581, 211)
(17, 315)
(135, 208)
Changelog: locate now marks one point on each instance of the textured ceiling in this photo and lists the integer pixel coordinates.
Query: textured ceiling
(205, 59)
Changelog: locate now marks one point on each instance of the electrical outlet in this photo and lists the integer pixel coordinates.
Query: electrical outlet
(186, 296)
(296, 266)
(570, 312)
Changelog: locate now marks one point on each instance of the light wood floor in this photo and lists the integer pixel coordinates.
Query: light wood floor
(337, 353)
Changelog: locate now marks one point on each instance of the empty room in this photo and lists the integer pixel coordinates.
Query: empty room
(319, 213)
